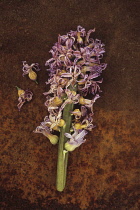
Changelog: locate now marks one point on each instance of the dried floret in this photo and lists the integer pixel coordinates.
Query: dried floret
(76, 139)
(24, 96)
(30, 70)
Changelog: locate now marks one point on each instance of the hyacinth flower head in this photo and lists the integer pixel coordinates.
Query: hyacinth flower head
(75, 70)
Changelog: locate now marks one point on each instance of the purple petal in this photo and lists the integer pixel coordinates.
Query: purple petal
(81, 30)
(28, 95)
(35, 66)
(68, 135)
(83, 110)
(66, 75)
(81, 135)
(96, 97)
(88, 34)
(69, 42)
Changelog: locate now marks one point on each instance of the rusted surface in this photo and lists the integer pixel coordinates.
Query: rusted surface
(103, 172)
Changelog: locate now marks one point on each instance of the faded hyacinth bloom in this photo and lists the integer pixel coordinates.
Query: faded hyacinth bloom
(75, 63)
(76, 139)
(45, 131)
(24, 96)
(30, 70)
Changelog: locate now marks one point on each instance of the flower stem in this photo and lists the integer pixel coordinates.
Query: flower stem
(63, 154)
(18, 88)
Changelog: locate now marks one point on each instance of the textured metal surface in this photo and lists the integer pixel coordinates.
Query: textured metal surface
(103, 172)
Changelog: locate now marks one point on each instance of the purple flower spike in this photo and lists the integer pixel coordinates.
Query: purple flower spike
(75, 73)
(74, 77)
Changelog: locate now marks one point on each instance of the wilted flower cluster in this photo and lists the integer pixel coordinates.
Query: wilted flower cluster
(75, 74)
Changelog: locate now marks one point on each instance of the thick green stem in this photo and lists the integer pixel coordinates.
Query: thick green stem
(63, 154)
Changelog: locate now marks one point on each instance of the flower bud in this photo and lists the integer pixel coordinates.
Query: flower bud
(79, 39)
(91, 45)
(81, 62)
(73, 93)
(32, 75)
(61, 123)
(84, 126)
(56, 128)
(70, 147)
(61, 72)
(62, 58)
(85, 69)
(57, 101)
(78, 126)
(77, 112)
(81, 100)
(63, 82)
(93, 64)
(20, 91)
(53, 138)
(84, 101)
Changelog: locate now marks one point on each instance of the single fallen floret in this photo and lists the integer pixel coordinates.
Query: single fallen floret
(30, 70)
(24, 95)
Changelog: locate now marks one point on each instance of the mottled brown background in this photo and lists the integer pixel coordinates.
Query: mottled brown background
(103, 172)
